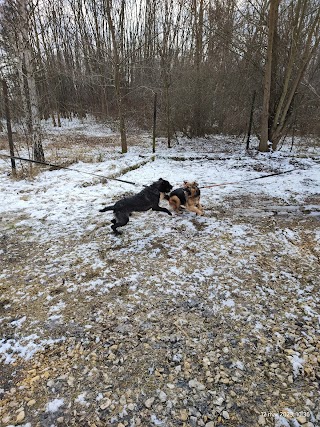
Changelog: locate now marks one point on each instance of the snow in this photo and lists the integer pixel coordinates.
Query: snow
(239, 365)
(81, 399)
(88, 127)
(99, 397)
(25, 347)
(18, 323)
(155, 421)
(297, 364)
(54, 405)
(228, 303)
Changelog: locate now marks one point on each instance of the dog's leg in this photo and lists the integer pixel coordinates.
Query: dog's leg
(107, 208)
(198, 204)
(174, 206)
(175, 203)
(160, 209)
(195, 209)
(121, 219)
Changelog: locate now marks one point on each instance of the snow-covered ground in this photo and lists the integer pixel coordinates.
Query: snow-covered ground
(182, 320)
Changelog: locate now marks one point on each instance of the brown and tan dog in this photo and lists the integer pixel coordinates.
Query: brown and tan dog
(187, 196)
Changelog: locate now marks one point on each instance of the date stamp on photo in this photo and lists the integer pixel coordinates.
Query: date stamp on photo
(286, 414)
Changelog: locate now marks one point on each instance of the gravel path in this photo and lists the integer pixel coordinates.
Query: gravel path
(213, 322)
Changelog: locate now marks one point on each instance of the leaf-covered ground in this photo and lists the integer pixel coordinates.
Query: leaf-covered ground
(181, 321)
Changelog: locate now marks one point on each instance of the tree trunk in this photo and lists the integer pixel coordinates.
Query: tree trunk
(9, 129)
(168, 111)
(36, 134)
(251, 120)
(117, 78)
(264, 138)
(154, 122)
(198, 24)
(33, 111)
(289, 91)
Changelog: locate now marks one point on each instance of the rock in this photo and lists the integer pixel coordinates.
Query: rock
(261, 421)
(193, 421)
(290, 351)
(123, 400)
(112, 356)
(177, 357)
(196, 384)
(170, 386)
(302, 420)
(210, 424)
(45, 375)
(162, 396)
(31, 402)
(6, 420)
(226, 415)
(71, 381)
(183, 414)
(35, 379)
(149, 402)
(309, 403)
(219, 401)
(114, 347)
(105, 404)
(20, 417)
(206, 361)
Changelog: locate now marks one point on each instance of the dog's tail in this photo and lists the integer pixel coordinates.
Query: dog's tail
(107, 208)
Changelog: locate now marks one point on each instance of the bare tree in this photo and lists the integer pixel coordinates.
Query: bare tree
(304, 39)
(117, 48)
(306, 35)
(272, 24)
(170, 16)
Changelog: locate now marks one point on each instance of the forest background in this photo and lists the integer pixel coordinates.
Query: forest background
(208, 66)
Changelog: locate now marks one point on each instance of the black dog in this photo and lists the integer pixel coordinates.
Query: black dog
(148, 198)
